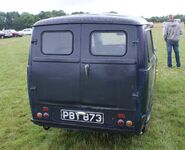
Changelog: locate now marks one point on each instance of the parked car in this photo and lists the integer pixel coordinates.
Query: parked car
(2, 34)
(177, 20)
(7, 33)
(27, 31)
(94, 72)
(15, 33)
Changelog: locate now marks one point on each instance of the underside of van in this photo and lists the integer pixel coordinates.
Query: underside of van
(90, 73)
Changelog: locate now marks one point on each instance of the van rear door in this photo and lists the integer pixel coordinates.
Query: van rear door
(88, 64)
(108, 65)
(56, 64)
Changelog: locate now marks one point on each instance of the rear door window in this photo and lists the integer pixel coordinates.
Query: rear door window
(108, 43)
(60, 42)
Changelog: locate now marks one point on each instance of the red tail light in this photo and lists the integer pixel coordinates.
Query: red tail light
(46, 115)
(120, 122)
(121, 116)
(45, 109)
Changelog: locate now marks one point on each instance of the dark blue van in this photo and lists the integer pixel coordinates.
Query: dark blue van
(92, 72)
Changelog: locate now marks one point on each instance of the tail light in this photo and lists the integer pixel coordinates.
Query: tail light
(45, 109)
(120, 122)
(129, 123)
(45, 115)
(39, 115)
(121, 116)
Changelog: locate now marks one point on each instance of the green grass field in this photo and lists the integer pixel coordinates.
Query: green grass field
(166, 129)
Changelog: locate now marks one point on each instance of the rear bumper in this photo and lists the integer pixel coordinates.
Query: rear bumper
(110, 118)
(84, 127)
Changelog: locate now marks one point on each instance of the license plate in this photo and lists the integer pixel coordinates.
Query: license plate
(82, 116)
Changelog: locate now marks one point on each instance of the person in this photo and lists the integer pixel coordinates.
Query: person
(172, 33)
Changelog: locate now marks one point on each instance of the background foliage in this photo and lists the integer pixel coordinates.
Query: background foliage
(15, 20)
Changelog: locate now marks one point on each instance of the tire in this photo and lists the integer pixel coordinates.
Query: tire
(145, 128)
(46, 127)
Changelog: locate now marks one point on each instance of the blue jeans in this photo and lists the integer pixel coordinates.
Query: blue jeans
(175, 45)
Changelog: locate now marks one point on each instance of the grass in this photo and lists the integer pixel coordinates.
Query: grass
(166, 129)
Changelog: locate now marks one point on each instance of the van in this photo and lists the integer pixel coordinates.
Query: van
(92, 72)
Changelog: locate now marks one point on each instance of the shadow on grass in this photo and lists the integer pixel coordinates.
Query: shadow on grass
(91, 140)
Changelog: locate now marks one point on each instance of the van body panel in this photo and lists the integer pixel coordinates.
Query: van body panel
(105, 85)
(56, 81)
(86, 18)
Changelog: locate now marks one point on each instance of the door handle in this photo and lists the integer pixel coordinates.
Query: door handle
(87, 67)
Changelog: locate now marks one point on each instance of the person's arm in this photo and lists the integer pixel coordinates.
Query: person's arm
(165, 32)
(181, 32)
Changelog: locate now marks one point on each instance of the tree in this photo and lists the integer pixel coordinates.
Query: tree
(10, 19)
(14, 20)
(79, 12)
(26, 20)
(44, 15)
(58, 13)
(2, 20)
(113, 12)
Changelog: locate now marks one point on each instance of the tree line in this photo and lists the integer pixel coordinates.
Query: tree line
(165, 18)
(15, 20)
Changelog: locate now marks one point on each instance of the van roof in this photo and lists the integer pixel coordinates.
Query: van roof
(90, 19)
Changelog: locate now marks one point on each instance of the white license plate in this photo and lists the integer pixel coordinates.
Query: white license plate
(82, 116)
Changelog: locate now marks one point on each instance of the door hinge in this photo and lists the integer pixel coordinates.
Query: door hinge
(34, 41)
(134, 43)
(33, 88)
(135, 94)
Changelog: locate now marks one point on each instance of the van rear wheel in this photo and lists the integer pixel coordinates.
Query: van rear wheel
(145, 128)
(46, 127)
